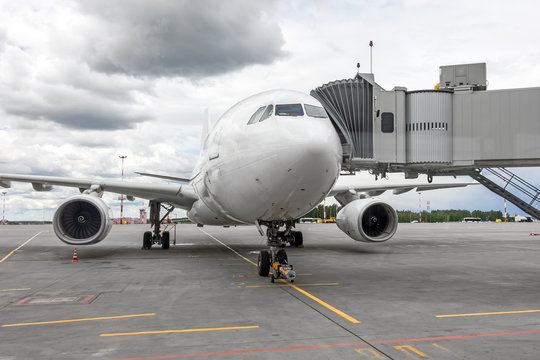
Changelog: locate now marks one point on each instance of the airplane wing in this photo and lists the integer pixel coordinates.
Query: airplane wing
(378, 189)
(181, 195)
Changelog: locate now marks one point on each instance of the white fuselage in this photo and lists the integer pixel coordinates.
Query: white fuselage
(275, 169)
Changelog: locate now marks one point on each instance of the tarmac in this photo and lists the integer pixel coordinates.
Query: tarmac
(434, 291)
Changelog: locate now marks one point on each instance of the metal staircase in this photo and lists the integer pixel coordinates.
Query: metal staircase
(527, 193)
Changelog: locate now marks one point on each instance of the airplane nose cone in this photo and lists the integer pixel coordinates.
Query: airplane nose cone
(309, 166)
(285, 174)
(312, 150)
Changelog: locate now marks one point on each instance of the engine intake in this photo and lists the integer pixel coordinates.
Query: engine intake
(82, 220)
(368, 220)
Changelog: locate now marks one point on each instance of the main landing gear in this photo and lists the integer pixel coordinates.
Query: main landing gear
(275, 260)
(156, 236)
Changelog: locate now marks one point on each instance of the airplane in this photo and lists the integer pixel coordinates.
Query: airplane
(267, 161)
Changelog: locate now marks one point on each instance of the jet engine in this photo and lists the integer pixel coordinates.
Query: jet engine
(368, 220)
(82, 220)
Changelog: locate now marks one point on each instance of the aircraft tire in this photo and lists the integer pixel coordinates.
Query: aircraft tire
(282, 257)
(165, 240)
(298, 239)
(147, 240)
(263, 263)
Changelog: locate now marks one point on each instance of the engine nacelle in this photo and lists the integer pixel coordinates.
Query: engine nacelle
(368, 220)
(82, 220)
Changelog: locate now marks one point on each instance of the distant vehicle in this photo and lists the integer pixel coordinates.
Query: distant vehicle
(308, 220)
(519, 218)
(330, 220)
(471, 219)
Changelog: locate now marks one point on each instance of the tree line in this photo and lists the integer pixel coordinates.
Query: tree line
(405, 216)
(433, 216)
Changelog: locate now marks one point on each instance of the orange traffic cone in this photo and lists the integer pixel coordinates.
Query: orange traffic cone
(75, 259)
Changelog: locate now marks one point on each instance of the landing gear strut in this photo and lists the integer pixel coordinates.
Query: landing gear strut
(275, 260)
(155, 236)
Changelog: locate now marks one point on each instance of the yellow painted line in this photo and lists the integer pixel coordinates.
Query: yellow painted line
(26, 242)
(314, 298)
(447, 350)
(181, 331)
(440, 347)
(404, 348)
(326, 305)
(283, 285)
(230, 248)
(490, 313)
(257, 276)
(21, 289)
(76, 320)
(373, 352)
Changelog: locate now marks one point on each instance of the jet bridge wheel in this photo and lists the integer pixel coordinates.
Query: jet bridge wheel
(263, 263)
(147, 240)
(165, 240)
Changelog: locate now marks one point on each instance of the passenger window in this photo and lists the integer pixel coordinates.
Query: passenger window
(387, 122)
(289, 110)
(315, 111)
(267, 113)
(256, 116)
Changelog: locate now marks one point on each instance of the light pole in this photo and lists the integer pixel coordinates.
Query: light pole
(4, 207)
(420, 207)
(122, 196)
(371, 57)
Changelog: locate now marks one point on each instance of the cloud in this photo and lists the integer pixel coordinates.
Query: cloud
(2, 39)
(181, 38)
(68, 93)
(72, 110)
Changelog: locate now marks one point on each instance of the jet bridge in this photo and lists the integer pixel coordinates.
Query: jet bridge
(459, 128)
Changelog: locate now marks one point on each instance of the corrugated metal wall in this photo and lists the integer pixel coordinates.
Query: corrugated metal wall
(350, 105)
(429, 126)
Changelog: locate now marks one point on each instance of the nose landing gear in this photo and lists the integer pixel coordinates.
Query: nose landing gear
(275, 259)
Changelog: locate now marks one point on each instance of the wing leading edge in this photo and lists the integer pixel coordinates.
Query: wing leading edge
(181, 195)
(378, 189)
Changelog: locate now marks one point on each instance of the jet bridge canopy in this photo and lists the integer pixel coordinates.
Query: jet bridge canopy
(349, 103)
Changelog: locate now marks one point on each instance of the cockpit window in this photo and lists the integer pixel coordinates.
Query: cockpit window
(289, 110)
(315, 111)
(267, 113)
(257, 115)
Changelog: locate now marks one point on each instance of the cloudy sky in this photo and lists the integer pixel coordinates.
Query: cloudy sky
(82, 82)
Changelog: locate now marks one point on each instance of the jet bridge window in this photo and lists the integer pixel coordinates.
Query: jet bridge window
(289, 110)
(387, 122)
(315, 111)
(257, 115)
(267, 113)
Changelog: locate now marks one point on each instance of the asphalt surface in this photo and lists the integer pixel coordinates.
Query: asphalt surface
(435, 291)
